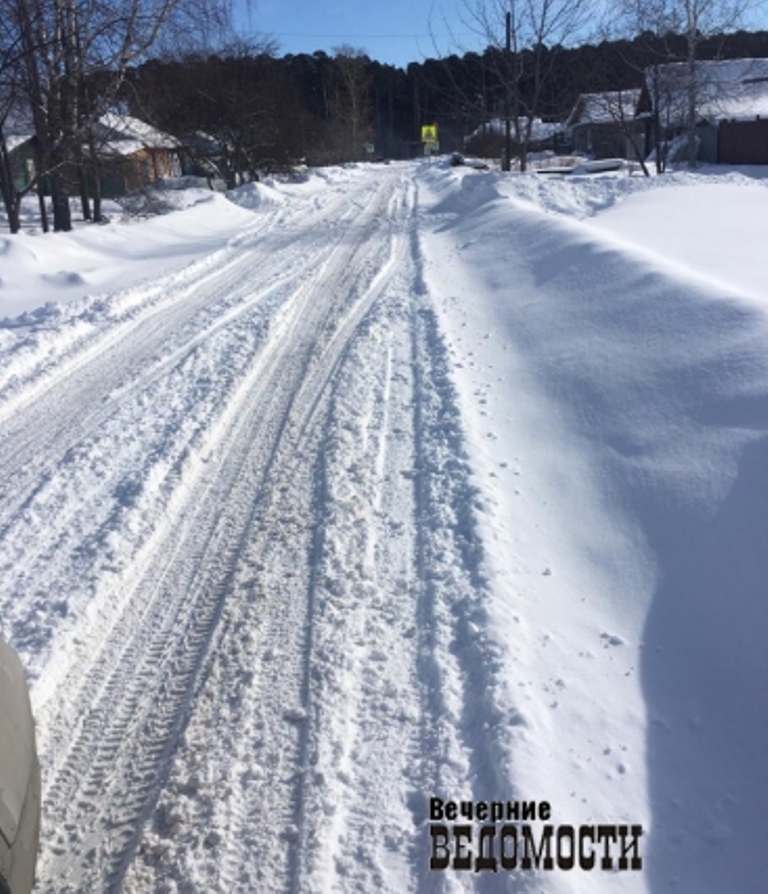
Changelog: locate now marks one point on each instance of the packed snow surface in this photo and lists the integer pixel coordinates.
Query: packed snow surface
(398, 483)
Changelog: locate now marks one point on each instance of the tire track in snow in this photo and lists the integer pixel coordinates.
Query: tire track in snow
(85, 379)
(268, 815)
(352, 602)
(78, 433)
(462, 727)
(398, 656)
(289, 655)
(355, 822)
(171, 643)
(61, 339)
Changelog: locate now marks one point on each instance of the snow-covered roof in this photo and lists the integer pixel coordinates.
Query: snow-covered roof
(13, 141)
(18, 127)
(540, 130)
(126, 135)
(604, 108)
(725, 89)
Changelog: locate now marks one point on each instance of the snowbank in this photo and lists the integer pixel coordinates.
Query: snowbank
(175, 228)
(613, 376)
(37, 269)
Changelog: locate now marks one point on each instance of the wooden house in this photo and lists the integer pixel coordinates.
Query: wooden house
(19, 136)
(603, 125)
(731, 101)
(21, 154)
(133, 154)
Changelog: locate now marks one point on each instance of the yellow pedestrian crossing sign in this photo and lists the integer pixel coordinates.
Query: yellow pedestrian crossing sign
(429, 133)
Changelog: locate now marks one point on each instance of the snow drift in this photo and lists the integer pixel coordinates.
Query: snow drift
(621, 439)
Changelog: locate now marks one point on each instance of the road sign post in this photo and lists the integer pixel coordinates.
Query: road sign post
(429, 139)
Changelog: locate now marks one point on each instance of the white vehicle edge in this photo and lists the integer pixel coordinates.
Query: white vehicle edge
(19, 779)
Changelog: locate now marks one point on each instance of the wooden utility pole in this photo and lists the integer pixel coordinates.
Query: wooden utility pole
(507, 160)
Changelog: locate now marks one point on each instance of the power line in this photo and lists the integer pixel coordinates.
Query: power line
(357, 36)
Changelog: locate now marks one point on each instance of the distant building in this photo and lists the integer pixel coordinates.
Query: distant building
(731, 101)
(603, 125)
(21, 154)
(487, 140)
(19, 135)
(133, 154)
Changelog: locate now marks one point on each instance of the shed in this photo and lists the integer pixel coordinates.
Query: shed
(488, 138)
(603, 125)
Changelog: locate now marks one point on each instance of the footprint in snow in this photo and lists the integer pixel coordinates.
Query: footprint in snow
(610, 639)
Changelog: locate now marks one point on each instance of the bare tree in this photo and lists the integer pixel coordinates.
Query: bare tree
(74, 58)
(10, 56)
(700, 19)
(349, 101)
(236, 112)
(673, 32)
(525, 36)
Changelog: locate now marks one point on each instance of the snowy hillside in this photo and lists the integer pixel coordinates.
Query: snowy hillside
(398, 484)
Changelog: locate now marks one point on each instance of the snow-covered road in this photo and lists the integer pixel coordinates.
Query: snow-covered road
(412, 483)
(240, 659)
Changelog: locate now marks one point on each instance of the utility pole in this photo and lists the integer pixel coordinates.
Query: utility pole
(507, 160)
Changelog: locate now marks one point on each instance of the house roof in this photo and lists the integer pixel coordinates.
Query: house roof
(18, 127)
(540, 130)
(118, 134)
(604, 108)
(725, 89)
(14, 140)
(125, 135)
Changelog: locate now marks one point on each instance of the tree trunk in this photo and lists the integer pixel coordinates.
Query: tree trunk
(659, 145)
(62, 215)
(43, 210)
(524, 141)
(692, 97)
(94, 169)
(14, 218)
(84, 200)
(10, 197)
(506, 163)
(11, 204)
(638, 153)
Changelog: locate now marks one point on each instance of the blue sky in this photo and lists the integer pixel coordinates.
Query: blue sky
(393, 31)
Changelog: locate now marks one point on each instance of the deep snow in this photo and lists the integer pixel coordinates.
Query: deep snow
(614, 384)
(392, 483)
